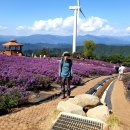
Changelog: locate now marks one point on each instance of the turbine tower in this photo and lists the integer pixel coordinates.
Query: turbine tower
(77, 10)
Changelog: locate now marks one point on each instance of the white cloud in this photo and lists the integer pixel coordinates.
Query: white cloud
(59, 26)
(47, 25)
(20, 28)
(3, 27)
(65, 26)
(92, 24)
(107, 28)
(128, 29)
(68, 22)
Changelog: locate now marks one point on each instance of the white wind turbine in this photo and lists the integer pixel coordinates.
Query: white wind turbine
(77, 9)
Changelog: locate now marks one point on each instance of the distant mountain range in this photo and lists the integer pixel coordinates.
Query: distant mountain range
(39, 41)
(55, 39)
(106, 45)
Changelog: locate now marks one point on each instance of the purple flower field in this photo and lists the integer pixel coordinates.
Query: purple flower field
(20, 74)
(27, 71)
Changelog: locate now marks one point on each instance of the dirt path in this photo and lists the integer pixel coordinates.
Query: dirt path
(120, 105)
(39, 117)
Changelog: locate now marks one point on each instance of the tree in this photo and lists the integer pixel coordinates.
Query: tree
(77, 55)
(116, 58)
(89, 46)
(44, 51)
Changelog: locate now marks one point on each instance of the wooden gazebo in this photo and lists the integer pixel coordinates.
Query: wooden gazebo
(13, 48)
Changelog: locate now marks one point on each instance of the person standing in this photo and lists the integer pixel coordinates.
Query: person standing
(121, 72)
(65, 73)
(116, 67)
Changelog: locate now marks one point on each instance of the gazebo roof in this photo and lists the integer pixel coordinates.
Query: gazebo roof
(12, 43)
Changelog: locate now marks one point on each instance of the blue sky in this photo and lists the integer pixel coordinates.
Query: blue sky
(26, 17)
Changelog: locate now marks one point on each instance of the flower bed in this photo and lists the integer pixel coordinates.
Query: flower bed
(20, 74)
(126, 81)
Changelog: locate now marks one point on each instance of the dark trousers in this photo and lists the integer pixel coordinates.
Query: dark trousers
(65, 81)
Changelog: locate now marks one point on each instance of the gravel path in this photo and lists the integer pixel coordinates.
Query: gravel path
(39, 117)
(120, 105)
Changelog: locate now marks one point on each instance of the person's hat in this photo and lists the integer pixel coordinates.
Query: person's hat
(66, 53)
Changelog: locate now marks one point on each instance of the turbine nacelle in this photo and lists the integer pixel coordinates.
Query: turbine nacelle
(74, 7)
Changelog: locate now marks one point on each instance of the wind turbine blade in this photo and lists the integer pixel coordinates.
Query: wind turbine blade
(78, 3)
(82, 13)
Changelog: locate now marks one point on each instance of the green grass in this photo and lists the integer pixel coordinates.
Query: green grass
(114, 123)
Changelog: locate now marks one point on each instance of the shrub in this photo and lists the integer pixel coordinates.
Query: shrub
(126, 81)
(10, 97)
(9, 100)
(40, 83)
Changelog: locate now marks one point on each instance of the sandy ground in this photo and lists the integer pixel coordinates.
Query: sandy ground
(39, 117)
(120, 105)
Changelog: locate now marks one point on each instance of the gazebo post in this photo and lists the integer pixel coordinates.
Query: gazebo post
(21, 48)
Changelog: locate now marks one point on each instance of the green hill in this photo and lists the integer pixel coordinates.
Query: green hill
(103, 50)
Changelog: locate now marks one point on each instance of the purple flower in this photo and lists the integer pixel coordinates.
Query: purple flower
(21, 73)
